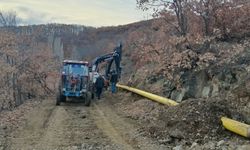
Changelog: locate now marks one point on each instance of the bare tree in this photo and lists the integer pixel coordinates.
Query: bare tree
(232, 18)
(8, 19)
(206, 9)
(179, 7)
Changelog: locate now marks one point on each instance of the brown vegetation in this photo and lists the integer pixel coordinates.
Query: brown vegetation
(24, 63)
(211, 15)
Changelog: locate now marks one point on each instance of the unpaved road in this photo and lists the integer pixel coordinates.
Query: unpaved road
(74, 126)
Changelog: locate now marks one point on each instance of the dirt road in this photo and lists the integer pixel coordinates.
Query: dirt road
(74, 126)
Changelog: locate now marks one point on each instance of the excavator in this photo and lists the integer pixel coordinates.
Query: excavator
(109, 59)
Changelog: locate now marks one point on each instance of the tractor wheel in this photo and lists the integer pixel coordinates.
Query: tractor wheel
(92, 92)
(58, 99)
(92, 95)
(63, 98)
(87, 99)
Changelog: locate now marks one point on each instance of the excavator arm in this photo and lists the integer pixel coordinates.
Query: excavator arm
(109, 58)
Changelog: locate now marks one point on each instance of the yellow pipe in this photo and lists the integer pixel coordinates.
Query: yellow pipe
(151, 96)
(236, 127)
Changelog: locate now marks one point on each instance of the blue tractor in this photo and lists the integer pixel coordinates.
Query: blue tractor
(74, 82)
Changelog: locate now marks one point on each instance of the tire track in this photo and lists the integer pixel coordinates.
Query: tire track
(105, 125)
(74, 126)
(119, 130)
(69, 126)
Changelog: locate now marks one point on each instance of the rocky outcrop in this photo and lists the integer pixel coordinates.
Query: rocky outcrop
(230, 77)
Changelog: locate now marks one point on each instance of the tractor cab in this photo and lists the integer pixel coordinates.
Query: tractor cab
(74, 80)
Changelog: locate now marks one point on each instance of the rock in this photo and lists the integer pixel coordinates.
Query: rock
(215, 90)
(83, 145)
(220, 143)
(194, 83)
(166, 141)
(73, 148)
(176, 134)
(205, 92)
(243, 89)
(246, 113)
(178, 95)
(248, 68)
(210, 145)
(83, 116)
(4, 127)
(174, 95)
(167, 93)
(168, 88)
(168, 85)
(154, 78)
(179, 147)
(90, 147)
(194, 145)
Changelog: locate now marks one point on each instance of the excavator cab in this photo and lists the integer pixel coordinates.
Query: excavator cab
(74, 82)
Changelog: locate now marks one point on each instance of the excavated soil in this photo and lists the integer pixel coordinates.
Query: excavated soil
(193, 123)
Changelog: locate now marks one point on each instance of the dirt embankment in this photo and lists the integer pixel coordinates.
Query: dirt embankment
(194, 124)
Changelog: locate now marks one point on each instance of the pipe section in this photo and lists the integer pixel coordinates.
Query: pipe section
(236, 127)
(151, 96)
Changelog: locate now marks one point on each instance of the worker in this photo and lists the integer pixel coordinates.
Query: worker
(73, 83)
(99, 84)
(118, 57)
(113, 81)
(118, 50)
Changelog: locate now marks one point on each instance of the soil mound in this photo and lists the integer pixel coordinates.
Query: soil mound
(192, 120)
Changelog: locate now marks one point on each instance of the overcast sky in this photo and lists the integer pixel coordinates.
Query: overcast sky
(86, 12)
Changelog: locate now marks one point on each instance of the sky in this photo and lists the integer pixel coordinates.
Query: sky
(95, 13)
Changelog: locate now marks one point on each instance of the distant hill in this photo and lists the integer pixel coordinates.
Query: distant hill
(81, 42)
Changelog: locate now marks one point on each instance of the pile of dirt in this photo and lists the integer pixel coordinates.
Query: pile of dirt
(192, 120)
(195, 120)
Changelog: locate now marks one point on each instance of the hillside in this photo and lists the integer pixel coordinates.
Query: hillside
(203, 66)
(155, 59)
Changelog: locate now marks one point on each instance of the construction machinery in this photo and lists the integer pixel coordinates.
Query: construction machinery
(109, 58)
(74, 82)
